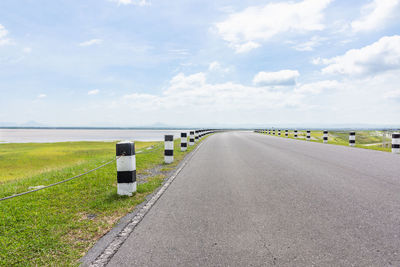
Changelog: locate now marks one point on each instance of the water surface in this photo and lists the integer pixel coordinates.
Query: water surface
(63, 135)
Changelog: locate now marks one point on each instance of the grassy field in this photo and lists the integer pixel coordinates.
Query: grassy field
(56, 226)
(364, 139)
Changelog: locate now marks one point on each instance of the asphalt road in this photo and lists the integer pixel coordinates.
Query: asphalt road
(247, 199)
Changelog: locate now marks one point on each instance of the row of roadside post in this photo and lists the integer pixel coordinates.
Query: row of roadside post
(126, 158)
(352, 137)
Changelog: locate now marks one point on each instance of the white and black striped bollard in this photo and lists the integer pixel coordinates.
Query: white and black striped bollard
(279, 132)
(126, 168)
(196, 135)
(396, 143)
(286, 133)
(352, 139)
(183, 141)
(273, 132)
(325, 137)
(295, 133)
(191, 138)
(168, 148)
(308, 135)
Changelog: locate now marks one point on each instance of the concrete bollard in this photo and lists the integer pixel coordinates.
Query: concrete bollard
(191, 138)
(279, 132)
(286, 133)
(308, 135)
(396, 143)
(126, 168)
(325, 137)
(196, 135)
(352, 139)
(295, 133)
(168, 148)
(183, 141)
(269, 132)
(273, 132)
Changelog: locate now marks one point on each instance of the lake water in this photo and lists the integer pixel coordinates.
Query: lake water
(62, 135)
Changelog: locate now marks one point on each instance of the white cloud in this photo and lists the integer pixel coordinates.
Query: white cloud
(245, 30)
(3, 36)
(394, 94)
(317, 87)
(42, 96)
(378, 57)
(132, 2)
(91, 42)
(282, 77)
(246, 47)
(376, 14)
(179, 52)
(317, 61)
(309, 45)
(27, 50)
(188, 91)
(215, 66)
(94, 92)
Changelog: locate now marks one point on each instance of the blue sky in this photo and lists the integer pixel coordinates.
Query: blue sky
(186, 63)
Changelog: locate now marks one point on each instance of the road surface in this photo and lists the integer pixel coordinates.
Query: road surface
(247, 199)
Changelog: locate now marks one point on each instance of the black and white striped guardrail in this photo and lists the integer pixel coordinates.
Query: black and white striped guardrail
(396, 143)
(168, 148)
(308, 135)
(126, 168)
(183, 141)
(325, 137)
(352, 138)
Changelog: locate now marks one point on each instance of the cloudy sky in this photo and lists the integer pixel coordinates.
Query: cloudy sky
(204, 62)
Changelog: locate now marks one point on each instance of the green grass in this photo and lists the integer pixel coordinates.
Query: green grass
(18, 161)
(56, 226)
(364, 139)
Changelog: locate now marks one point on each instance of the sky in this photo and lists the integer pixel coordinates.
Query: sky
(199, 63)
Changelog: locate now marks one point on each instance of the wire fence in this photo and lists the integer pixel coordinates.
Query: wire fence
(77, 176)
(63, 181)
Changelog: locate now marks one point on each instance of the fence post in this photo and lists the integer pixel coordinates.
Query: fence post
(352, 139)
(191, 138)
(183, 141)
(308, 135)
(126, 168)
(295, 134)
(325, 137)
(396, 143)
(168, 148)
